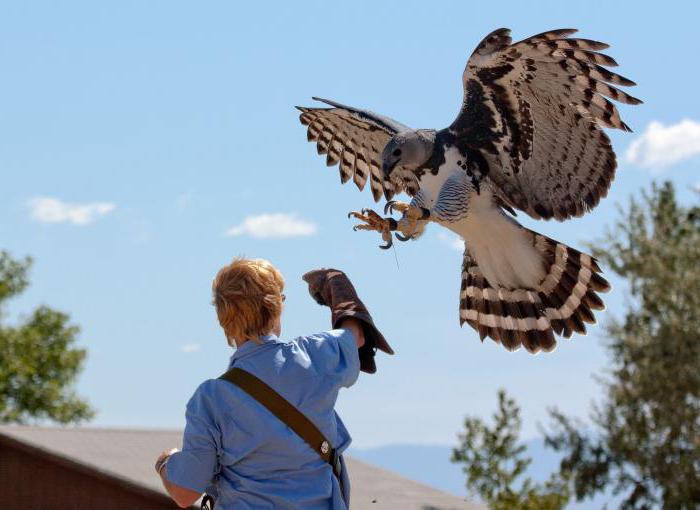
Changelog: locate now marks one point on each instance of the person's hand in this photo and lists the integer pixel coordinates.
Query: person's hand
(318, 283)
(332, 288)
(163, 457)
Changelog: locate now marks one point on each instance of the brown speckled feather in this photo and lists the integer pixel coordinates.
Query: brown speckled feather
(535, 110)
(355, 139)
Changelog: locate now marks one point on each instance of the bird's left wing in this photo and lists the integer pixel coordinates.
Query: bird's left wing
(534, 111)
(355, 138)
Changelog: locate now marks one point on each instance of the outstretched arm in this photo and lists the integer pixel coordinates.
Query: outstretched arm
(355, 327)
(332, 288)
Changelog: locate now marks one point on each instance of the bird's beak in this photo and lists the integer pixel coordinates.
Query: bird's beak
(387, 168)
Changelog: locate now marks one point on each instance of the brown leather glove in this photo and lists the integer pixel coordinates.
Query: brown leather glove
(332, 288)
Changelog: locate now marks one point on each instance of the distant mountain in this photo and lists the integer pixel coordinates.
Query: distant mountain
(431, 465)
(428, 464)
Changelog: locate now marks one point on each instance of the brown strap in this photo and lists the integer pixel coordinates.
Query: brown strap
(285, 412)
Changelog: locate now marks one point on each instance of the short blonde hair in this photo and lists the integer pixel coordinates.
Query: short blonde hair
(248, 298)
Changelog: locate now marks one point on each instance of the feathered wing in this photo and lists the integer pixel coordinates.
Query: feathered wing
(535, 111)
(355, 138)
(563, 302)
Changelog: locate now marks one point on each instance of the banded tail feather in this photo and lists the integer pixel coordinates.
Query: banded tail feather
(562, 303)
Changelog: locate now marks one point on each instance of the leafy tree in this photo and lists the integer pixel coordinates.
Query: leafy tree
(495, 464)
(645, 444)
(645, 440)
(38, 364)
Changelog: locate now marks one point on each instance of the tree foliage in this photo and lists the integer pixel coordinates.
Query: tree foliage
(495, 464)
(646, 440)
(38, 363)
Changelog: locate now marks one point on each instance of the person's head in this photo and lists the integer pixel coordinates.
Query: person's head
(248, 299)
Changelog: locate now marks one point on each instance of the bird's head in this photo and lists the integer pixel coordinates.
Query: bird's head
(410, 149)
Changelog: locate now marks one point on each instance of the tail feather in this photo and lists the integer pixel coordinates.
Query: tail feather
(562, 304)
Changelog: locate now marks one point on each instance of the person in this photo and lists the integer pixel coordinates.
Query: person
(233, 447)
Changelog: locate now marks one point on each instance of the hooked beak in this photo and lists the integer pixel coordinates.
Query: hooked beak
(387, 168)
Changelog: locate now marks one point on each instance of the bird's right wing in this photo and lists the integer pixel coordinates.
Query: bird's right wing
(355, 138)
(535, 110)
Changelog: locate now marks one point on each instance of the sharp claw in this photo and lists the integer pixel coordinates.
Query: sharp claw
(350, 214)
(401, 237)
(389, 206)
(386, 246)
(354, 229)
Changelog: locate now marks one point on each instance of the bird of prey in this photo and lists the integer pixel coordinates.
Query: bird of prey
(529, 136)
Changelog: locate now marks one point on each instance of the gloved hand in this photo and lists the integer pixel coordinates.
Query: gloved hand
(332, 288)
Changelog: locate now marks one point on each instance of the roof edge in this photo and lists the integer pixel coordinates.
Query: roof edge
(83, 468)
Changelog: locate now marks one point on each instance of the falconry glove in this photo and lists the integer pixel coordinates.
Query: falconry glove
(332, 288)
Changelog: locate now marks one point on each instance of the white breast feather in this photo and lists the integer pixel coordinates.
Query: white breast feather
(430, 185)
(502, 249)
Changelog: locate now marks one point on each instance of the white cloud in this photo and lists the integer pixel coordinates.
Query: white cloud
(188, 348)
(273, 226)
(662, 146)
(53, 210)
(452, 240)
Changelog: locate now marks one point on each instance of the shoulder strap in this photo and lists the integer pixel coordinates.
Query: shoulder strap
(285, 412)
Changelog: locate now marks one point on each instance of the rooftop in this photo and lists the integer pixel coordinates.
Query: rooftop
(129, 455)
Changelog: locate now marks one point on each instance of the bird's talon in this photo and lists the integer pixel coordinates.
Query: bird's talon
(401, 237)
(389, 207)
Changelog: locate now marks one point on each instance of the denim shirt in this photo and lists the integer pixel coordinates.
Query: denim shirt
(234, 446)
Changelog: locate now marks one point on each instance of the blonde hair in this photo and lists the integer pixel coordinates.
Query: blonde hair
(248, 298)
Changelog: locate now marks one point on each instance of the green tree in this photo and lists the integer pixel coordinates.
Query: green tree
(495, 464)
(38, 363)
(645, 441)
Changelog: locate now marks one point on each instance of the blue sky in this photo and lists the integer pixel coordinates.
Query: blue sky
(134, 135)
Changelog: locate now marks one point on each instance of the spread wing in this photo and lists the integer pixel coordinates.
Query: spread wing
(535, 110)
(355, 139)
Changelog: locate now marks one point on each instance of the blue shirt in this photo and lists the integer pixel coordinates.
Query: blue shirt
(251, 458)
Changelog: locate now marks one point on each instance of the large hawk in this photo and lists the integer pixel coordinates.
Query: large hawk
(528, 136)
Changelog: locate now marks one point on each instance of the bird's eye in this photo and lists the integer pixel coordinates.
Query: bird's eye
(397, 152)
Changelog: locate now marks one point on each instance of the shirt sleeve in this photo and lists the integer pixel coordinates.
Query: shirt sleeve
(198, 463)
(335, 353)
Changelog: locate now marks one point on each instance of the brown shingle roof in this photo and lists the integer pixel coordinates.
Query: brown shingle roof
(129, 454)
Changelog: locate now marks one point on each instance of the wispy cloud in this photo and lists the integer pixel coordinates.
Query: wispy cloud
(273, 226)
(188, 348)
(452, 240)
(660, 147)
(53, 210)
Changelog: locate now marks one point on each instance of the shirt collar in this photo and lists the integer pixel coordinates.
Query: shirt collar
(252, 346)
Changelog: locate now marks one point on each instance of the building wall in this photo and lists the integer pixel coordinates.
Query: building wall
(33, 481)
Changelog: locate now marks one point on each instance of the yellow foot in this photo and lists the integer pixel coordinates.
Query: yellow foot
(408, 224)
(375, 223)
